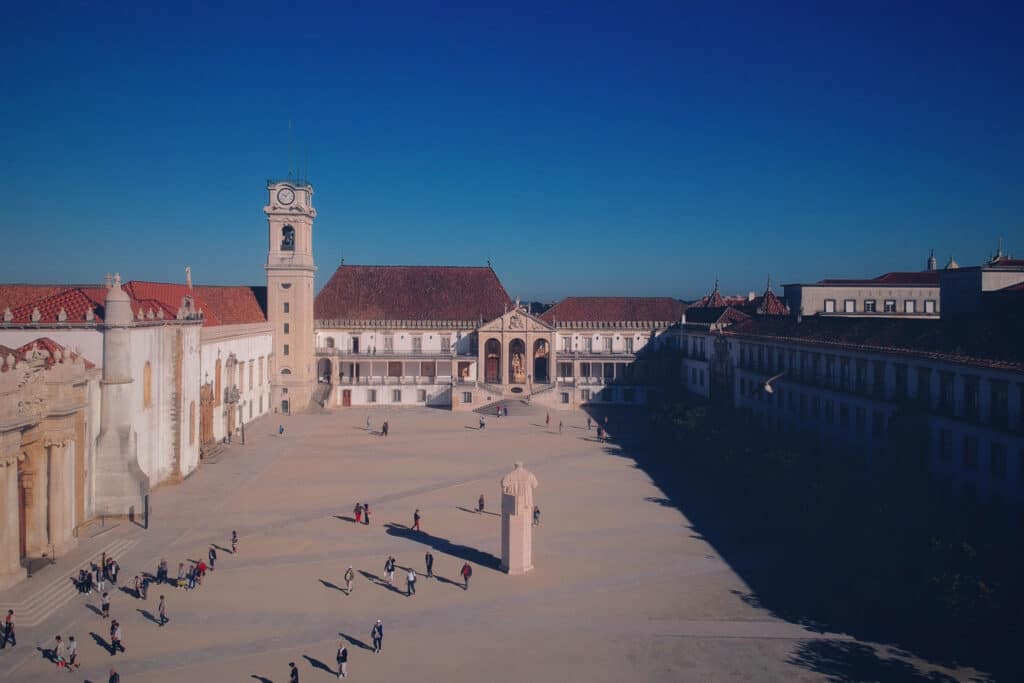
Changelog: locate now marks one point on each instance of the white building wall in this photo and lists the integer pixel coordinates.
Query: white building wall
(247, 343)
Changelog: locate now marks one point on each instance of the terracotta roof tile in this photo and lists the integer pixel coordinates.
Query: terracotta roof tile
(924, 278)
(462, 293)
(235, 305)
(16, 295)
(74, 302)
(615, 309)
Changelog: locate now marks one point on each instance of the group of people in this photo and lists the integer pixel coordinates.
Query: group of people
(96, 575)
(362, 513)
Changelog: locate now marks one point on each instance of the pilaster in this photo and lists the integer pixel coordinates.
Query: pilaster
(11, 571)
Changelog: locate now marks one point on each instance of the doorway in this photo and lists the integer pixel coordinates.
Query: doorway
(346, 398)
(492, 361)
(540, 361)
(355, 344)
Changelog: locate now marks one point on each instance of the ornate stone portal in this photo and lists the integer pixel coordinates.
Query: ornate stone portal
(517, 520)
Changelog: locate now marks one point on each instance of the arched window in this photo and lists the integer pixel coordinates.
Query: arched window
(216, 384)
(147, 385)
(191, 423)
(285, 371)
(287, 238)
(330, 342)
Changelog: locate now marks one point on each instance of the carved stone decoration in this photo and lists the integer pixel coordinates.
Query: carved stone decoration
(8, 315)
(160, 313)
(62, 316)
(89, 314)
(516, 322)
(36, 315)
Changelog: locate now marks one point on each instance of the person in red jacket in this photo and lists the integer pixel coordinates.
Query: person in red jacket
(466, 572)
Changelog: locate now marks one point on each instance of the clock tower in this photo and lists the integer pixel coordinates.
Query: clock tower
(290, 270)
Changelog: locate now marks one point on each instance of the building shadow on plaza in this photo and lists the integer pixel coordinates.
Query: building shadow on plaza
(443, 545)
(800, 569)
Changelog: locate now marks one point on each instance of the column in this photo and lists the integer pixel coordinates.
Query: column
(61, 496)
(36, 484)
(11, 571)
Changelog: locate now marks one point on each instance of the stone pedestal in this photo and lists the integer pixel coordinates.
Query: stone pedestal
(517, 520)
(516, 538)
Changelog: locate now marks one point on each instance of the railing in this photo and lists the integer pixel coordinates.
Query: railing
(377, 353)
(380, 380)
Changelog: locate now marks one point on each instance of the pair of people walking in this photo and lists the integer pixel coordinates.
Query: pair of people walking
(362, 513)
(8, 633)
(115, 638)
(65, 654)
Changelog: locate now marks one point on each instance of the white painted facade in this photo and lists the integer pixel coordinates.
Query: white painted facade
(249, 346)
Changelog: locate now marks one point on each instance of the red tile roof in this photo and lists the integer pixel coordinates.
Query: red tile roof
(463, 293)
(615, 309)
(715, 316)
(769, 304)
(45, 343)
(229, 305)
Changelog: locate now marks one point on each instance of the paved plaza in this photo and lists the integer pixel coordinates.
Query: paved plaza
(623, 589)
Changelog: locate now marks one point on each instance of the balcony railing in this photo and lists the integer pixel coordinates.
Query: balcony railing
(406, 353)
(379, 380)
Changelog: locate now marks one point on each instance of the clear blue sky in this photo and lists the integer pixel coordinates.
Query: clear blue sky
(627, 148)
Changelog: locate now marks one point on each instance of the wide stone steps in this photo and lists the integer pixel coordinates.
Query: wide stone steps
(43, 602)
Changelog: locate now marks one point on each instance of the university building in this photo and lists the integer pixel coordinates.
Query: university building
(110, 390)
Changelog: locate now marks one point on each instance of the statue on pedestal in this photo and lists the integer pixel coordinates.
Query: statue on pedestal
(517, 520)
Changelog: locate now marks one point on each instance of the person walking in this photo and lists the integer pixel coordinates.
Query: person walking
(342, 660)
(416, 520)
(105, 605)
(202, 572)
(145, 587)
(161, 571)
(559, 426)
(293, 673)
(366, 513)
(480, 504)
(358, 512)
(115, 569)
(367, 422)
(114, 677)
(163, 610)
(234, 542)
(138, 587)
(192, 572)
(506, 410)
(60, 653)
(101, 584)
(536, 516)
(349, 576)
(547, 420)
(73, 654)
(377, 634)
(213, 556)
(483, 424)
(410, 582)
(429, 560)
(466, 572)
(115, 638)
(9, 630)
(389, 570)
(589, 422)
(181, 574)
(280, 430)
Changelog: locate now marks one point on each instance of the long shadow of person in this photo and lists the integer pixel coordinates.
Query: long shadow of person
(102, 642)
(223, 549)
(345, 519)
(48, 653)
(328, 584)
(148, 615)
(477, 512)
(380, 582)
(443, 545)
(317, 664)
(355, 642)
(95, 609)
(442, 579)
(261, 679)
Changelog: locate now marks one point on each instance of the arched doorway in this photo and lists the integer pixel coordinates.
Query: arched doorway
(323, 371)
(540, 361)
(517, 361)
(492, 361)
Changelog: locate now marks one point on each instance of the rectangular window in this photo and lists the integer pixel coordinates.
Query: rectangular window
(849, 306)
(286, 306)
(285, 350)
(467, 396)
(830, 305)
(389, 343)
(566, 344)
(565, 370)
(869, 305)
(446, 344)
(371, 395)
(890, 305)
(997, 461)
(417, 344)
(607, 344)
(946, 446)
(929, 306)
(589, 345)
(565, 397)
(286, 328)
(909, 306)
(421, 395)
(702, 378)
(971, 452)
(585, 395)
(396, 395)
(629, 345)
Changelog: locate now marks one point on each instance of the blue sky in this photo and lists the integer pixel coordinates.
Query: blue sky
(587, 148)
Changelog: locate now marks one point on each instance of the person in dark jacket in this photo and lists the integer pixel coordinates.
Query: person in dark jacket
(377, 634)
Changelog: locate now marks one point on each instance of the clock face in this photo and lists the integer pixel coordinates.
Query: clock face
(285, 195)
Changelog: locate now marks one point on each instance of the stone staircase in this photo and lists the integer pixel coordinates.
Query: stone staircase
(322, 394)
(210, 453)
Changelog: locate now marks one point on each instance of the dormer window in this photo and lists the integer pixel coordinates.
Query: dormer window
(287, 238)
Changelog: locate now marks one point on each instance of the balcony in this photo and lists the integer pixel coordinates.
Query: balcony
(384, 355)
(405, 380)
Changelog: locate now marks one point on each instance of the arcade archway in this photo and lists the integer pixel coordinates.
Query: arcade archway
(541, 363)
(323, 371)
(517, 361)
(492, 361)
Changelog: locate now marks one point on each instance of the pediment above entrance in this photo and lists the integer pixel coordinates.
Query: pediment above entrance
(516, 320)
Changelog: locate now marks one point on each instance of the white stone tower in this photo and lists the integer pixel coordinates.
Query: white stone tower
(290, 270)
(120, 484)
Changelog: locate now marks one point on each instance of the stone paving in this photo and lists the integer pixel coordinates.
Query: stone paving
(623, 589)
